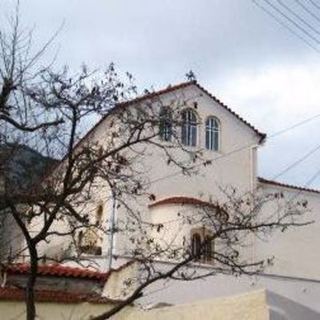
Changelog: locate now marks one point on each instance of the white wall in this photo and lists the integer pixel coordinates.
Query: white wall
(229, 168)
(296, 252)
(176, 292)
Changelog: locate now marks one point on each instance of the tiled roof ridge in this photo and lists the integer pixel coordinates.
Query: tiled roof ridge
(156, 93)
(147, 96)
(119, 105)
(15, 294)
(168, 89)
(285, 185)
(261, 134)
(186, 84)
(60, 270)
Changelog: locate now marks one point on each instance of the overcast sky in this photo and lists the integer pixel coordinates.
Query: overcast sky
(237, 51)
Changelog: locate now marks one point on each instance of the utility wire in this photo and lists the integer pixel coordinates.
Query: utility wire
(310, 26)
(297, 162)
(295, 194)
(298, 124)
(305, 186)
(315, 4)
(292, 21)
(307, 10)
(278, 133)
(276, 18)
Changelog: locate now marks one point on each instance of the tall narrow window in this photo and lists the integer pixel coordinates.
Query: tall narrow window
(165, 125)
(80, 238)
(196, 245)
(189, 128)
(212, 134)
(208, 248)
(99, 213)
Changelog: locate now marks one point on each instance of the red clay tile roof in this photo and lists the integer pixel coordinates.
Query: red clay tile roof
(155, 94)
(14, 294)
(182, 200)
(120, 105)
(260, 134)
(186, 84)
(59, 271)
(284, 185)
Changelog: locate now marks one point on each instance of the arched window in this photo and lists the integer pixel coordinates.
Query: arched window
(212, 133)
(165, 125)
(196, 245)
(202, 245)
(189, 128)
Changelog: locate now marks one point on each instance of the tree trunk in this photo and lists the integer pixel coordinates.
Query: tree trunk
(30, 297)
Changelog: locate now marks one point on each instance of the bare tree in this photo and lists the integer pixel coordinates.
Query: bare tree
(49, 111)
(223, 233)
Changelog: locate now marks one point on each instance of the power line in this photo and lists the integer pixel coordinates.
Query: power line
(292, 21)
(315, 4)
(298, 124)
(298, 17)
(294, 196)
(307, 10)
(278, 133)
(276, 18)
(297, 194)
(297, 162)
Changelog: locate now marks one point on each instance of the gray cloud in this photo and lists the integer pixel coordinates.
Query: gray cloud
(231, 45)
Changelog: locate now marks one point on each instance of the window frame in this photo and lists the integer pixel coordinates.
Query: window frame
(189, 128)
(165, 124)
(99, 214)
(206, 247)
(212, 133)
(196, 245)
(88, 249)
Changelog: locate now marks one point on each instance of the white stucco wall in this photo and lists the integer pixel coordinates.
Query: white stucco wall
(300, 291)
(52, 311)
(295, 250)
(228, 169)
(295, 272)
(256, 305)
(11, 239)
(234, 169)
(251, 306)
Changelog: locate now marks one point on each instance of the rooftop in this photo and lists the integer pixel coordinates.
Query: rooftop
(285, 185)
(59, 271)
(14, 294)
